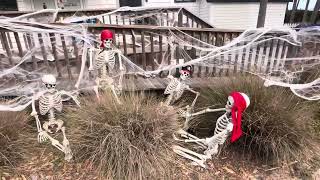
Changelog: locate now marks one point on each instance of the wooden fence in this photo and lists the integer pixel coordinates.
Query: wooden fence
(146, 46)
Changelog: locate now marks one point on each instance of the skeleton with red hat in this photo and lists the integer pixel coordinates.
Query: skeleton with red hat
(177, 86)
(106, 58)
(228, 123)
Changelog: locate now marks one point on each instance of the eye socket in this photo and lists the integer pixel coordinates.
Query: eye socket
(50, 85)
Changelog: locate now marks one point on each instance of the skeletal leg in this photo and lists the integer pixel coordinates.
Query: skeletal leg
(169, 99)
(66, 144)
(196, 157)
(55, 142)
(190, 138)
(115, 94)
(96, 88)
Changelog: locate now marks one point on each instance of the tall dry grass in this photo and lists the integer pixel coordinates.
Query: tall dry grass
(124, 141)
(277, 125)
(11, 125)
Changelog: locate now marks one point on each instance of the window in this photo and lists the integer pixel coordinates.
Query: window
(8, 5)
(183, 1)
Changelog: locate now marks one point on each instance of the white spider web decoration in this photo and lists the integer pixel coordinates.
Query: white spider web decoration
(17, 79)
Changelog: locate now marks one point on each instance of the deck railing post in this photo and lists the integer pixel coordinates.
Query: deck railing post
(262, 13)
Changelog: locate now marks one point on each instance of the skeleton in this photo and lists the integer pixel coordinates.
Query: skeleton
(50, 100)
(177, 86)
(106, 57)
(224, 127)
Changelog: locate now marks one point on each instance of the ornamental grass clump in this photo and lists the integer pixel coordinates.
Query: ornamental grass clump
(11, 124)
(277, 125)
(131, 140)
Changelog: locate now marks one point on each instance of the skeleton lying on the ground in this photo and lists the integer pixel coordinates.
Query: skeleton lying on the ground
(50, 100)
(177, 86)
(229, 122)
(106, 57)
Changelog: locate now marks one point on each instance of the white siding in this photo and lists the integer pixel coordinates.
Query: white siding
(100, 4)
(24, 5)
(244, 15)
(191, 6)
(204, 10)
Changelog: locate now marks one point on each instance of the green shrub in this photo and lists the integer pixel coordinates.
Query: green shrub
(276, 126)
(124, 141)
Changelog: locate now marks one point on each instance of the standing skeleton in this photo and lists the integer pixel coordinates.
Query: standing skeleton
(177, 86)
(227, 123)
(106, 57)
(50, 100)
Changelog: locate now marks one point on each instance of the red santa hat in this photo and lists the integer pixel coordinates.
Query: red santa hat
(104, 35)
(241, 102)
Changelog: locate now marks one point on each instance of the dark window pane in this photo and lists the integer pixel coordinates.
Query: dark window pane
(178, 1)
(8, 5)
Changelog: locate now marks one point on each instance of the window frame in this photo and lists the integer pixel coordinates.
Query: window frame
(184, 1)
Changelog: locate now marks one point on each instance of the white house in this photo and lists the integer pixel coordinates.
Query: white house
(234, 14)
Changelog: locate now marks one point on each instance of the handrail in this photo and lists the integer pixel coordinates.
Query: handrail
(199, 23)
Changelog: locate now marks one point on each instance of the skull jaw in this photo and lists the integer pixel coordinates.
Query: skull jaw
(183, 77)
(107, 44)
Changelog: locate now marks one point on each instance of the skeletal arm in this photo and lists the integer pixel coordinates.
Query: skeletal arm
(91, 50)
(120, 60)
(207, 110)
(34, 111)
(74, 98)
(197, 95)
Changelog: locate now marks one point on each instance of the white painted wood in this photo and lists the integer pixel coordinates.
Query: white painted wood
(266, 58)
(99, 4)
(273, 55)
(279, 58)
(239, 59)
(260, 56)
(246, 59)
(244, 15)
(25, 5)
(253, 58)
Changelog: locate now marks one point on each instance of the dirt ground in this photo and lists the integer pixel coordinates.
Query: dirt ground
(50, 165)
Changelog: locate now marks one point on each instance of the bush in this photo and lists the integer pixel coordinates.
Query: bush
(11, 124)
(128, 141)
(276, 126)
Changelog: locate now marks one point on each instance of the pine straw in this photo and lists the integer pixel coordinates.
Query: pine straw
(128, 141)
(11, 124)
(277, 125)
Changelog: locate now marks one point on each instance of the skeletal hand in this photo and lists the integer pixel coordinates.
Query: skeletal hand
(42, 136)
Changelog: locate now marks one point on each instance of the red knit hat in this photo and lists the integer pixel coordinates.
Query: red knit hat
(104, 35)
(241, 102)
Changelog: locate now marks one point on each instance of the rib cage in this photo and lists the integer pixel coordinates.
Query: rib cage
(105, 57)
(49, 101)
(221, 124)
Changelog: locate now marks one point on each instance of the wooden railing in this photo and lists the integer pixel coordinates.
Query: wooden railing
(175, 16)
(146, 46)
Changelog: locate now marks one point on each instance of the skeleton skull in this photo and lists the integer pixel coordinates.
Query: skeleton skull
(107, 43)
(106, 37)
(50, 82)
(184, 75)
(230, 102)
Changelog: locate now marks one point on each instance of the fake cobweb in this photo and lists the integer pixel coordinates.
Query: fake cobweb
(282, 57)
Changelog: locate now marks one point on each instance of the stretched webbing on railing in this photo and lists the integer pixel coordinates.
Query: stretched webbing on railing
(32, 47)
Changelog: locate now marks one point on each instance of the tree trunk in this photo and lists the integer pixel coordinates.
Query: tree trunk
(293, 11)
(315, 12)
(262, 13)
(305, 14)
